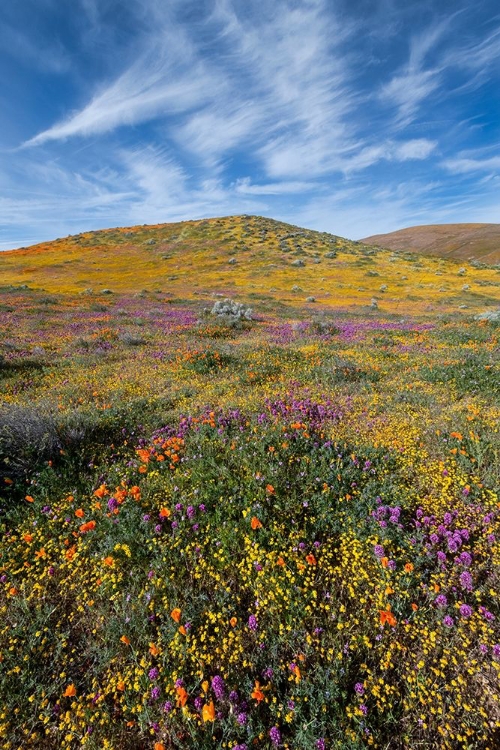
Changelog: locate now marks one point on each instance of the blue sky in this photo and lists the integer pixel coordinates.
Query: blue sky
(349, 116)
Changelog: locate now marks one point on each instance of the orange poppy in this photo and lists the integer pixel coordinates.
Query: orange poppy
(153, 649)
(270, 489)
(142, 469)
(280, 561)
(385, 562)
(182, 630)
(109, 561)
(159, 746)
(89, 526)
(408, 567)
(70, 553)
(311, 559)
(79, 513)
(70, 691)
(182, 697)
(40, 553)
(233, 621)
(176, 614)
(29, 499)
(255, 523)
(208, 712)
(28, 538)
(204, 686)
(386, 616)
(164, 513)
(100, 491)
(8, 481)
(13, 591)
(414, 606)
(120, 686)
(124, 639)
(257, 693)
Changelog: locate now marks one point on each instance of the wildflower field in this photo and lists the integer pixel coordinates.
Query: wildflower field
(272, 531)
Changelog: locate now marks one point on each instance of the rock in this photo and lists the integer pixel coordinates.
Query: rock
(492, 315)
(106, 291)
(299, 263)
(383, 288)
(374, 303)
(296, 288)
(311, 299)
(465, 287)
(461, 271)
(232, 261)
(331, 254)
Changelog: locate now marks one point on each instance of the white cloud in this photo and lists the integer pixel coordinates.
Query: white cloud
(464, 165)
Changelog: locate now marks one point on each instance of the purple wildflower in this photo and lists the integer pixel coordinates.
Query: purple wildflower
(465, 610)
(378, 550)
(252, 623)
(358, 687)
(242, 718)
(448, 621)
(441, 601)
(218, 687)
(198, 703)
(496, 649)
(155, 693)
(167, 707)
(466, 580)
(153, 674)
(320, 744)
(275, 735)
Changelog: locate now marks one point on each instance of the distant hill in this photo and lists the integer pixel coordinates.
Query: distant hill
(462, 241)
(251, 258)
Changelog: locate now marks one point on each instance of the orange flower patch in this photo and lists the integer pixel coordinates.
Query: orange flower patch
(109, 561)
(409, 567)
(255, 523)
(153, 649)
(79, 513)
(233, 621)
(124, 639)
(176, 614)
(182, 697)
(310, 559)
(164, 513)
(100, 491)
(70, 691)
(208, 712)
(28, 538)
(257, 693)
(29, 499)
(89, 526)
(386, 616)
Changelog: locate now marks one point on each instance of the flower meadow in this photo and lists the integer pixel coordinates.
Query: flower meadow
(280, 532)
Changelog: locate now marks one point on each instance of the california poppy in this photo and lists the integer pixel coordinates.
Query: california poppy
(153, 649)
(100, 491)
(386, 616)
(255, 523)
(124, 639)
(182, 697)
(164, 513)
(176, 614)
(208, 712)
(79, 513)
(257, 693)
(311, 559)
(70, 691)
(233, 621)
(109, 561)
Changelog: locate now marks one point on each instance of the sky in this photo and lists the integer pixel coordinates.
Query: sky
(353, 117)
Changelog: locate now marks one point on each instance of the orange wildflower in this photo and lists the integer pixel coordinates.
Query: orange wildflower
(79, 513)
(311, 559)
(414, 606)
(384, 561)
(13, 591)
(208, 712)
(153, 649)
(120, 686)
(70, 553)
(8, 481)
(135, 492)
(28, 538)
(182, 697)
(176, 614)
(142, 469)
(233, 621)
(40, 553)
(409, 567)
(204, 686)
(164, 513)
(70, 691)
(89, 526)
(270, 489)
(101, 491)
(109, 561)
(386, 616)
(182, 630)
(255, 523)
(257, 693)
(124, 639)
(280, 561)
(30, 499)
(159, 746)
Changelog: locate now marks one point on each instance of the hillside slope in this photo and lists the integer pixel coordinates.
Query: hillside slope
(251, 258)
(463, 241)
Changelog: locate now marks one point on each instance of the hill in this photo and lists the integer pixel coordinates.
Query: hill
(248, 256)
(480, 242)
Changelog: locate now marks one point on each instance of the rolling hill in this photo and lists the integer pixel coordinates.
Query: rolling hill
(249, 257)
(480, 242)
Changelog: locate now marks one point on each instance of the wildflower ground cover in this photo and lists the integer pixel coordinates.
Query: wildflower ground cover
(276, 533)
